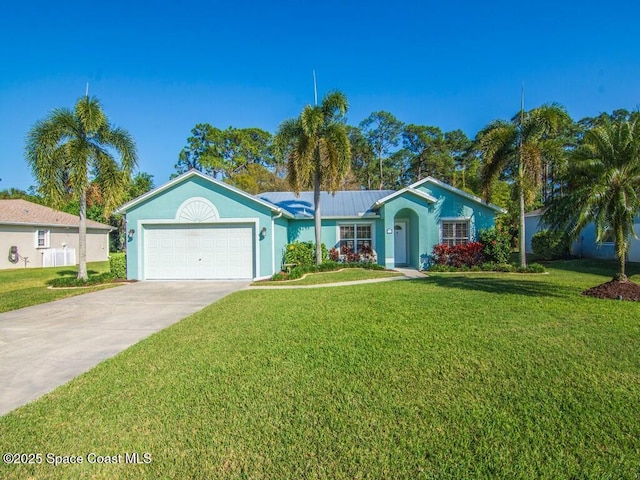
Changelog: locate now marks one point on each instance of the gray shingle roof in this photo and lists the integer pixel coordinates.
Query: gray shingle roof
(17, 211)
(348, 203)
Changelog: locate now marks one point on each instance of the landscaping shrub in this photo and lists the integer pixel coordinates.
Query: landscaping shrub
(303, 253)
(468, 254)
(550, 245)
(347, 255)
(105, 277)
(532, 268)
(497, 245)
(118, 265)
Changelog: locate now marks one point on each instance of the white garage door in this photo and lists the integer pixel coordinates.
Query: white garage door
(198, 252)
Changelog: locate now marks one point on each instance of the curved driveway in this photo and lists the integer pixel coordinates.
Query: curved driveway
(44, 346)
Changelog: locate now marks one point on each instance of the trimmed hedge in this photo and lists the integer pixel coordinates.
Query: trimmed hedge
(118, 265)
(490, 267)
(105, 277)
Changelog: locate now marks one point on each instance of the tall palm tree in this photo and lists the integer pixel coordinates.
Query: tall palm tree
(69, 149)
(604, 187)
(317, 151)
(518, 150)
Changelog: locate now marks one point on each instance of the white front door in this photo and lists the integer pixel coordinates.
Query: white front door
(400, 243)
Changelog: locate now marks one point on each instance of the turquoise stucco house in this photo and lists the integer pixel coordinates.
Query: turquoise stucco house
(196, 227)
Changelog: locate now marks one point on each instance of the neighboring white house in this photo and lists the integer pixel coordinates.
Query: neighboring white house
(585, 245)
(33, 235)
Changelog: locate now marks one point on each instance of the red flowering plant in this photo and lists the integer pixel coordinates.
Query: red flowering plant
(463, 255)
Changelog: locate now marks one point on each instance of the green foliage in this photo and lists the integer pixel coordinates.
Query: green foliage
(317, 152)
(550, 245)
(23, 287)
(497, 245)
(382, 132)
(326, 266)
(450, 377)
(71, 152)
(488, 267)
(118, 264)
(101, 278)
(303, 254)
(223, 153)
(532, 268)
(604, 180)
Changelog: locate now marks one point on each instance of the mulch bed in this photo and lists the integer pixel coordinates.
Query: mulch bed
(616, 290)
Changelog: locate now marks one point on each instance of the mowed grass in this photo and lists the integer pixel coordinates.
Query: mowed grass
(450, 377)
(320, 278)
(23, 287)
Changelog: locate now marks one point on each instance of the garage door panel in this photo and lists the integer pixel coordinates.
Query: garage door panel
(199, 252)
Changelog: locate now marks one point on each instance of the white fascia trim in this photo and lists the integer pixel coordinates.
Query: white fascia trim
(123, 209)
(462, 193)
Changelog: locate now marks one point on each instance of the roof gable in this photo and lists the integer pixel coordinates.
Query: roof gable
(402, 191)
(186, 176)
(457, 191)
(23, 212)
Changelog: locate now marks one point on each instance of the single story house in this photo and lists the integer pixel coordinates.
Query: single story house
(33, 235)
(196, 227)
(586, 245)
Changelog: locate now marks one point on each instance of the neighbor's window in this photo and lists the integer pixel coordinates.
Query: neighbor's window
(355, 236)
(609, 236)
(455, 232)
(42, 239)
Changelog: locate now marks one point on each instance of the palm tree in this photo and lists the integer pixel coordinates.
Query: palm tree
(518, 150)
(604, 187)
(317, 151)
(71, 148)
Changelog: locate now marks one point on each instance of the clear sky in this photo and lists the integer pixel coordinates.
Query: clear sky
(161, 67)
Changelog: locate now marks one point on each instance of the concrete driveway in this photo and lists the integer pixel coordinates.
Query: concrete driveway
(44, 346)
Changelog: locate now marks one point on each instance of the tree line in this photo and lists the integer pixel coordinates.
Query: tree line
(537, 158)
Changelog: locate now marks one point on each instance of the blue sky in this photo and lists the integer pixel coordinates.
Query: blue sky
(159, 68)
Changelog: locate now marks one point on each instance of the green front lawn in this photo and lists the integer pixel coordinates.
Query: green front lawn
(346, 275)
(23, 287)
(480, 376)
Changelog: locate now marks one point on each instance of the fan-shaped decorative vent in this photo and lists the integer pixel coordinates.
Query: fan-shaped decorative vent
(197, 210)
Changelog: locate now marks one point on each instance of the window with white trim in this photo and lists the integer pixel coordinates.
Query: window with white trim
(356, 236)
(42, 238)
(455, 232)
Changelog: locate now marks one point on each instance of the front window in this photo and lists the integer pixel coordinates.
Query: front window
(356, 236)
(455, 232)
(608, 235)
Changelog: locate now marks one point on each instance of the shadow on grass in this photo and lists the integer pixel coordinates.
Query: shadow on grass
(606, 268)
(510, 285)
(65, 273)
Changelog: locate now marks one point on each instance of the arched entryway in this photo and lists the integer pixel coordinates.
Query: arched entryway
(405, 238)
